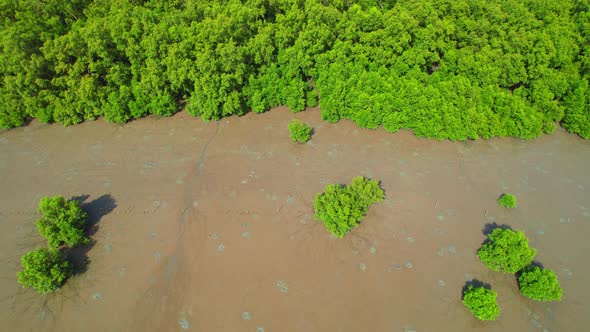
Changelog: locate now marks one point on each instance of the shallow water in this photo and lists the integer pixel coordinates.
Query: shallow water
(213, 226)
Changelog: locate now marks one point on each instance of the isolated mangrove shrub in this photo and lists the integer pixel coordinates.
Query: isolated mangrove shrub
(342, 207)
(508, 201)
(482, 302)
(299, 131)
(506, 250)
(539, 284)
(62, 222)
(44, 269)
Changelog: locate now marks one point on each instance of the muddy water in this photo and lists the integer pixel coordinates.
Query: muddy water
(210, 227)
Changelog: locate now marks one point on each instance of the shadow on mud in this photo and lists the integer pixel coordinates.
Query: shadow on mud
(490, 227)
(96, 209)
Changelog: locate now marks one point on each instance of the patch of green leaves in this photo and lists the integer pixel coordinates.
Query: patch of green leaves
(508, 201)
(63, 222)
(299, 131)
(506, 250)
(539, 284)
(482, 302)
(44, 269)
(342, 207)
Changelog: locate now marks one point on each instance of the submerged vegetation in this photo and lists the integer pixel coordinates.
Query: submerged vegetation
(452, 69)
(539, 284)
(508, 201)
(299, 131)
(506, 250)
(44, 269)
(482, 302)
(342, 207)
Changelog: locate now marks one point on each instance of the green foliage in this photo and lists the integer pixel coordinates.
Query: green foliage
(539, 284)
(577, 118)
(482, 302)
(342, 207)
(506, 250)
(508, 201)
(45, 270)
(455, 69)
(299, 131)
(62, 222)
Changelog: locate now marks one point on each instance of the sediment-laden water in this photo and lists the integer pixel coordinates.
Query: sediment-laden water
(209, 226)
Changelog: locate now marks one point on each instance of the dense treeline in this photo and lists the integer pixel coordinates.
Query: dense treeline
(453, 69)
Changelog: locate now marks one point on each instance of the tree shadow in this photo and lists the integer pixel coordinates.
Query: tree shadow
(384, 192)
(490, 227)
(96, 209)
(78, 256)
(476, 284)
(312, 133)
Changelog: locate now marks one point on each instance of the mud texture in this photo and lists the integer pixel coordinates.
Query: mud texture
(209, 226)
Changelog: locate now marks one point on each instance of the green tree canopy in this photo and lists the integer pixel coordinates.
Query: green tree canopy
(299, 131)
(539, 284)
(62, 222)
(453, 69)
(506, 250)
(342, 207)
(508, 201)
(44, 269)
(481, 302)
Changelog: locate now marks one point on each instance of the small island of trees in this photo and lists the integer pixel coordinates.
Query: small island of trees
(341, 208)
(63, 224)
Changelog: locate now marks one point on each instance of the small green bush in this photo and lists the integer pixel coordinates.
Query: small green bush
(44, 269)
(342, 207)
(300, 132)
(506, 250)
(62, 222)
(482, 302)
(539, 284)
(508, 201)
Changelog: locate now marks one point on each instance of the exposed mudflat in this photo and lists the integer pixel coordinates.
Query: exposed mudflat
(209, 227)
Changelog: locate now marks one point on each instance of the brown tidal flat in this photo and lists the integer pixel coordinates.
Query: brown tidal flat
(209, 226)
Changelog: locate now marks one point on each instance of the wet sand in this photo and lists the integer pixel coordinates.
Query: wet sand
(210, 227)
